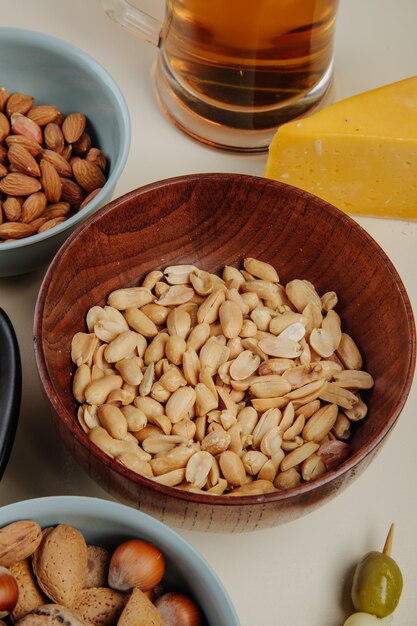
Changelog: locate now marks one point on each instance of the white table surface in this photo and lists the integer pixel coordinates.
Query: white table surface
(293, 575)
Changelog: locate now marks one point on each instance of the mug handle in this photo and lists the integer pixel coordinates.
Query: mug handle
(136, 21)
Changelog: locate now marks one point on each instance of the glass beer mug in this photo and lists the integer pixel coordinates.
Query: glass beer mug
(229, 72)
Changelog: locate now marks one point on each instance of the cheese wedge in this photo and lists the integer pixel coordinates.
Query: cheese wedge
(359, 154)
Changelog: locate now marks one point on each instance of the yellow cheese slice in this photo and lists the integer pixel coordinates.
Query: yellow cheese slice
(360, 154)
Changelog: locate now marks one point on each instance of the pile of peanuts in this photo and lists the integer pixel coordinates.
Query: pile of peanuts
(232, 384)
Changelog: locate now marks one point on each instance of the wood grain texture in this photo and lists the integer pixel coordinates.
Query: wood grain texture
(212, 220)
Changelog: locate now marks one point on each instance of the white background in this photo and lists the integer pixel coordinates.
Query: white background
(297, 574)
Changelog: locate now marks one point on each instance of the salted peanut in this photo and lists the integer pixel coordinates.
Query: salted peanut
(328, 300)
(140, 322)
(172, 379)
(349, 354)
(198, 336)
(212, 355)
(308, 409)
(113, 420)
(353, 379)
(268, 420)
(263, 404)
(280, 347)
(261, 318)
(191, 366)
(254, 488)
(253, 461)
(261, 269)
(202, 282)
(179, 274)
(149, 406)
(328, 368)
(275, 366)
(151, 279)
(178, 323)
(171, 479)
(159, 393)
(175, 458)
(233, 295)
(156, 313)
(208, 311)
(106, 330)
(262, 288)
(358, 411)
(135, 418)
(231, 273)
(175, 295)
(231, 319)
(180, 403)
(226, 400)
(247, 418)
(205, 400)
(98, 390)
(130, 369)
(147, 431)
(123, 299)
(312, 467)
(156, 349)
(341, 427)
(83, 346)
(248, 329)
(82, 378)
(332, 324)
(302, 375)
(232, 468)
(121, 347)
(311, 391)
(287, 417)
(245, 364)
(312, 317)
(281, 321)
(227, 419)
(270, 469)
(271, 442)
(133, 462)
(219, 488)
(175, 348)
(94, 315)
(295, 429)
(156, 444)
(294, 332)
(251, 299)
(322, 342)
(321, 423)
(297, 456)
(185, 428)
(160, 288)
(121, 397)
(147, 381)
(332, 393)
(216, 441)
(300, 293)
(269, 386)
(198, 468)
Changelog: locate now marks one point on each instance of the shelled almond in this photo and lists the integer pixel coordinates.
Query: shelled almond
(233, 384)
(46, 158)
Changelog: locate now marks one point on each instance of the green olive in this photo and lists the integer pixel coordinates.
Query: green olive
(377, 584)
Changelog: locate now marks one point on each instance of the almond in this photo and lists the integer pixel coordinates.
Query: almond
(60, 564)
(71, 192)
(18, 540)
(16, 230)
(96, 156)
(22, 125)
(12, 209)
(54, 138)
(33, 207)
(31, 146)
(18, 103)
(90, 197)
(4, 126)
(40, 221)
(51, 223)
(51, 181)
(83, 144)
(140, 611)
(100, 605)
(57, 160)
(4, 96)
(16, 184)
(23, 161)
(58, 209)
(88, 175)
(73, 126)
(30, 596)
(3, 170)
(43, 114)
(67, 151)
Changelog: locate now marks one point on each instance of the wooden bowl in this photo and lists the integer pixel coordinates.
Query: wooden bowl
(211, 220)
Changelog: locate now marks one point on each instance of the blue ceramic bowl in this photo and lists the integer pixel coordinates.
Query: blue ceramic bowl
(108, 523)
(55, 72)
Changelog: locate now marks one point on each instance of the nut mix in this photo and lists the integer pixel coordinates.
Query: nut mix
(48, 167)
(236, 385)
(53, 576)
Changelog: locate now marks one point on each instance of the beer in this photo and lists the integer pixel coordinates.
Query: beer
(253, 54)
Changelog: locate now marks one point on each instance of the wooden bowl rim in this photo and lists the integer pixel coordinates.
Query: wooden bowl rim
(301, 490)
